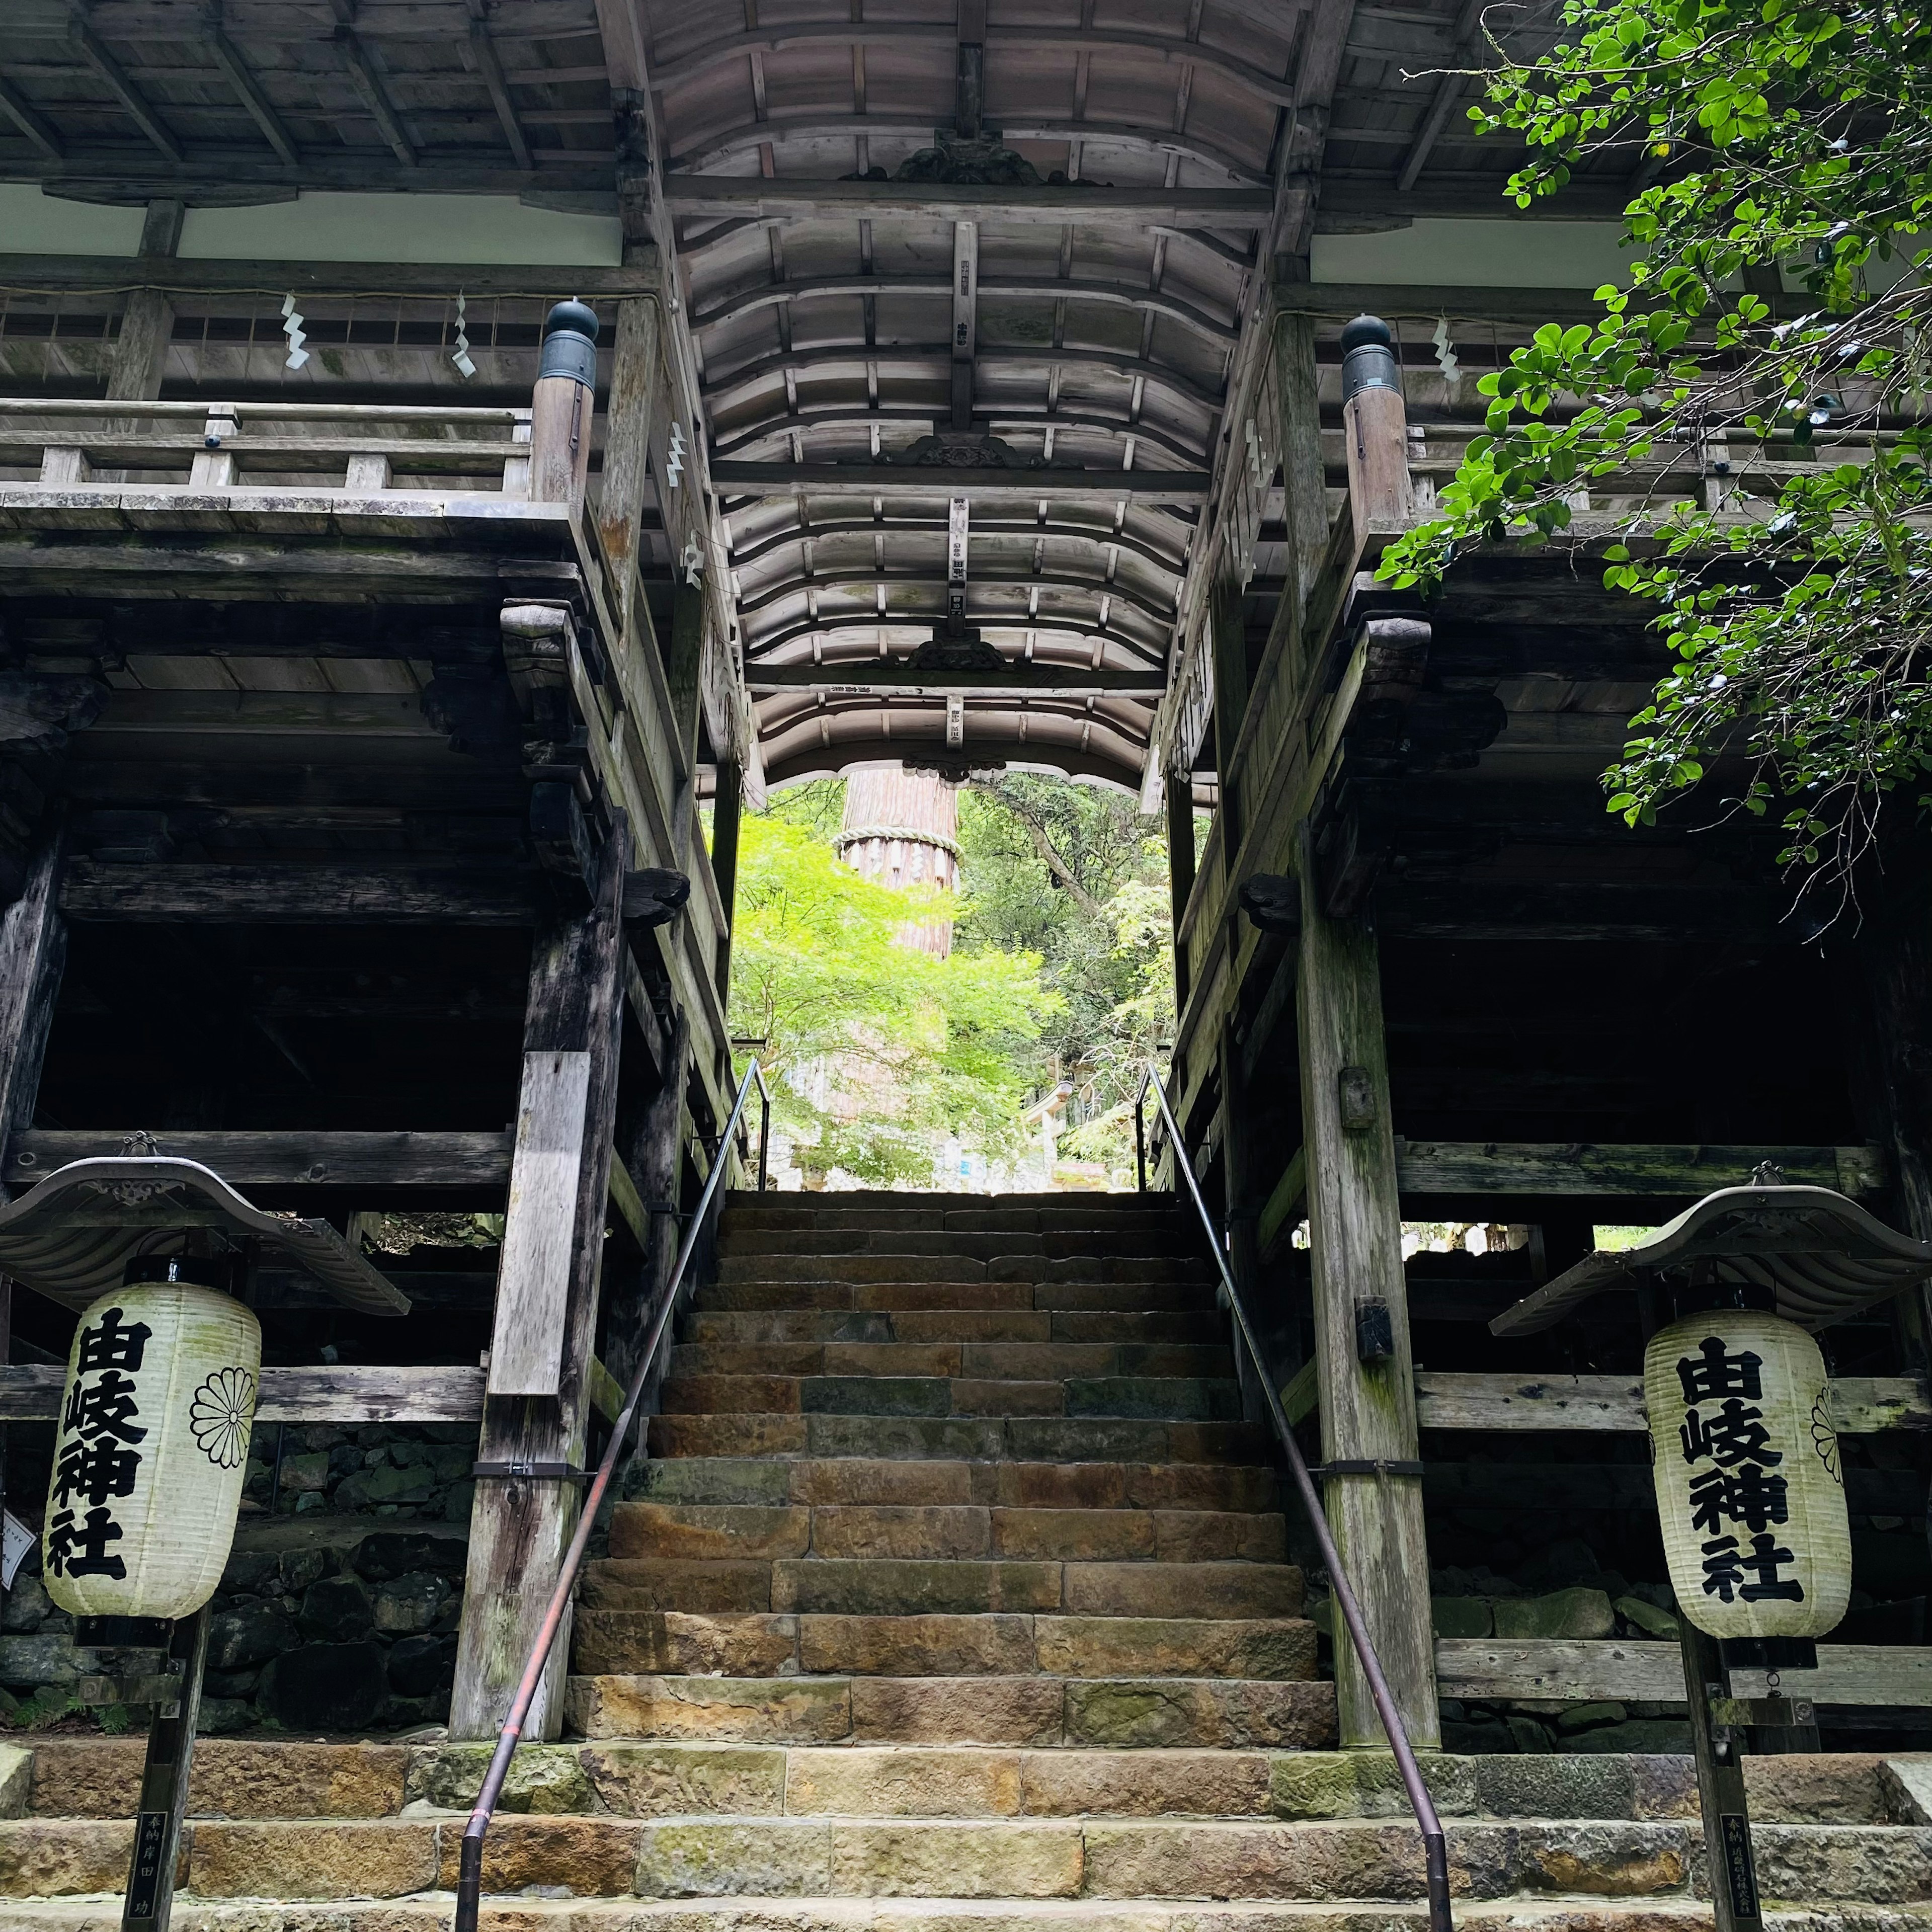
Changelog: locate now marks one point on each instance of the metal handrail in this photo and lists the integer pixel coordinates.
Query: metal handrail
(470, 1872)
(1434, 1846)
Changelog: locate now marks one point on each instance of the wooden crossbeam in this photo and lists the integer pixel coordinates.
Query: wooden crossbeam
(998, 486)
(1860, 1404)
(301, 894)
(31, 1393)
(1019, 680)
(1618, 1669)
(1639, 1172)
(458, 1162)
(725, 196)
(1662, 1171)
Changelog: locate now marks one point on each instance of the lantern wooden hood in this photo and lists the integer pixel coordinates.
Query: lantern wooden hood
(70, 1236)
(1822, 1255)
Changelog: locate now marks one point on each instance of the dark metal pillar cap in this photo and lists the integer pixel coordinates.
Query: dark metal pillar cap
(1368, 356)
(570, 344)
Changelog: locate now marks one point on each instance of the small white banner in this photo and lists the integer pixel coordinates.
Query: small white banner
(15, 1539)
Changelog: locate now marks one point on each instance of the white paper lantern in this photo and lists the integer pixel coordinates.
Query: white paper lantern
(151, 1449)
(1749, 1487)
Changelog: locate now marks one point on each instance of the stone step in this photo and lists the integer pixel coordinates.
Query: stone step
(1068, 1748)
(947, 1297)
(1223, 1858)
(1078, 1485)
(1018, 1361)
(1166, 1398)
(810, 1855)
(1168, 1241)
(618, 1634)
(1045, 1439)
(1042, 1712)
(805, 1857)
(723, 1328)
(950, 1266)
(943, 1530)
(430, 1913)
(879, 1585)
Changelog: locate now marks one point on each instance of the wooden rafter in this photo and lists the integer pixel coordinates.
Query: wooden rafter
(124, 90)
(483, 51)
(35, 126)
(261, 109)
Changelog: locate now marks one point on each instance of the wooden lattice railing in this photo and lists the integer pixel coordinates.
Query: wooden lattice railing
(359, 449)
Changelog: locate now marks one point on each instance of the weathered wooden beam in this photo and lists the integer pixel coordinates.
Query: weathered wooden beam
(1620, 1668)
(633, 403)
(1364, 1368)
(476, 1164)
(412, 1392)
(483, 51)
(368, 83)
(1860, 1404)
(896, 674)
(124, 90)
(82, 274)
(1661, 1171)
(302, 895)
(36, 126)
(734, 478)
(33, 950)
(261, 109)
(725, 196)
(541, 1344)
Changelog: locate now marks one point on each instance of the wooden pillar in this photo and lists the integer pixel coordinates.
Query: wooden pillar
(33, 950)
(1364, 1373)
(562, 405)
(652, 1138)
(147, 322)
(684, 672)
(535, 1407)
(727, 801)
(1298, 391)
(627, 435)
(1180, 870)
(1375, 424)
(1229, 638)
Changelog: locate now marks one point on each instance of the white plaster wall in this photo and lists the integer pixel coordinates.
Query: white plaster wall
(34, 223)
(1477, 254)
(331, 227)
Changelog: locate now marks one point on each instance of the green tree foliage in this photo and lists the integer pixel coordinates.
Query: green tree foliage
(1077, 876)
(874, 1049)
(1800, 611)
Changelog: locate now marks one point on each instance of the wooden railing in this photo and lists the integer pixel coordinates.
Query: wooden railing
(360, 449)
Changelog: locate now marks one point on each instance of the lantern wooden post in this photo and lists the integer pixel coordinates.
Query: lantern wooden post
(150, 1898)
(535, 1408)
(1375, 424)
(562, 405)
(1363, 1370)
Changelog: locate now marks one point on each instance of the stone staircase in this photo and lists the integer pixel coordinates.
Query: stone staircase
(953, 1598)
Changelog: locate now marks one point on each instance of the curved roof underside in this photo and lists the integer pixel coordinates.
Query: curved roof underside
(1076, 352)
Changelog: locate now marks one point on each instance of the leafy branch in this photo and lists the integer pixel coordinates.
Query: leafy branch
(1795, 595)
